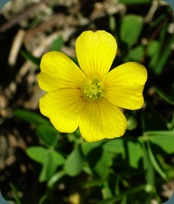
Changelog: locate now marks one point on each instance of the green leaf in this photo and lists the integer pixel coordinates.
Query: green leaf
(164, 139)
(152, 52)
(166, 97)
(57, 44)
(15, 194)
(30, 57)
(52, 161)
(47, 133)
(131, 122)
(134, 1)
(135, 153)
(131, 27)
(57, 157)
(88, 147)
(48, 169)
(112, 23)
(115, 146)
(119, 197)
(106, 191)
(171, 123)
(55, 178)
(100, 161)
(102, 167)
(39, 154)
(163, 58)
(30, 117)
(156, 164)
(160, 51)
(74, 162)
(135, 54)
(147, 165)
(124, 199)
(92, 183)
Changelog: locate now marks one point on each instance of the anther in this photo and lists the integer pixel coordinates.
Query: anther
(93, 89)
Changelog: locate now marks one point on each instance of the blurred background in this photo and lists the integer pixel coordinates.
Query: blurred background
(39, 165)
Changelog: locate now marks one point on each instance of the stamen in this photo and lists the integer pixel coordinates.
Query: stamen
(93, 89)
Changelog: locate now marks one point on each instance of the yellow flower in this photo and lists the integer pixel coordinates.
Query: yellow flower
(90, 97)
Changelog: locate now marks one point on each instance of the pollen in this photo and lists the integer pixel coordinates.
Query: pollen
(93, 89)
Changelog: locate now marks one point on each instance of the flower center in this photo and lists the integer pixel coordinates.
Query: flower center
(93, 89)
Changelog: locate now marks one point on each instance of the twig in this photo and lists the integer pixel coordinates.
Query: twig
(20, 17)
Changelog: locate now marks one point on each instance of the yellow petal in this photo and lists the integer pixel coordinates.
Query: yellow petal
(63, 107)
(58, 71)
(95, 52)
(100, 120)
(124, 85)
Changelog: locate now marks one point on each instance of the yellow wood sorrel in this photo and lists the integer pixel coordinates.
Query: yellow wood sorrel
(90, 97)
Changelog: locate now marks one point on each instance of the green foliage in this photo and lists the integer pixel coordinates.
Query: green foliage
(49, 159)
(52, 160)
(160, 50)
(30, 117)
(114, 146)
(136, 54)
(57, 44)
(98, 160)
(40, 154)
(16, 194)
(135, 153)
(131, 27)
(164, 139)
(74, 162)
(168, 98)
(47, 134)
(155, 163)
(30, 57)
